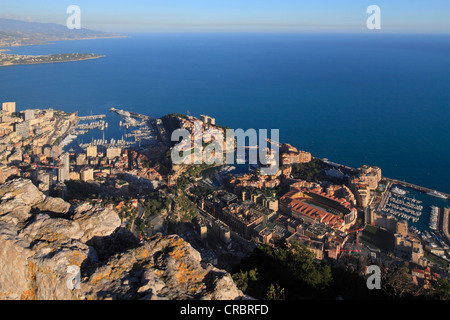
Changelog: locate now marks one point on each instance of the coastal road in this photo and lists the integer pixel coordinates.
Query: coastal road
(169, 216)
(136, 222)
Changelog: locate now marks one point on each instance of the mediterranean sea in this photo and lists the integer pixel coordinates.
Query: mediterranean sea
(381, 99)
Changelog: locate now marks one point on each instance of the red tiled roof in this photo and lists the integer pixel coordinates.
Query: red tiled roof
(304, 209)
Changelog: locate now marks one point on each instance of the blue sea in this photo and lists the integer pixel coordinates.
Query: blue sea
(381, 99)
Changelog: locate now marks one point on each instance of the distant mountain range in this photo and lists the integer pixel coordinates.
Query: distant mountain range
(19, 33)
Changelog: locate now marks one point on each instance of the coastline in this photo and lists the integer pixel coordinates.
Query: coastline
(4, 49)
(47, 42)
(50, 62)
(391, 174)
(391, 180)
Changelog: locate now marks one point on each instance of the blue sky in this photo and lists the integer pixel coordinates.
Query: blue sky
(238, 15)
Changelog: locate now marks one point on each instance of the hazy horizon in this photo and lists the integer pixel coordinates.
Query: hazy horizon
(321, 16)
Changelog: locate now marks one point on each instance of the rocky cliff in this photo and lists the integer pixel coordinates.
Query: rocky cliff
(49, 250)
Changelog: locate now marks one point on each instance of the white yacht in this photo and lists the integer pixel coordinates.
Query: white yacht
(436, 194)
(398, 191)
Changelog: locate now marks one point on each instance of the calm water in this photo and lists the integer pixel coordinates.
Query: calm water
(354, 99)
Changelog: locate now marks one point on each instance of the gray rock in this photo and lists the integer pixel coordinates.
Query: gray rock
(54, 265)
(44, 228)
(151, 282)
(85, 206)
(56, 205)
(97, 222)
(17, 197)
(38, 254)
(224, 287)
(15, 281)
(168, 270)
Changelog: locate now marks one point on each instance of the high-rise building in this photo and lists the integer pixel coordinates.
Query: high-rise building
(91, 151)
(87, 174)
(74, 175)
(402, 228)
(56, 150)
(9, 106)
(37, 149)
(29, 114)
(207, 119)
(113, 152)
(64, 167)
(81, 159)
(22, 129)
(47, 151)
(45, 177)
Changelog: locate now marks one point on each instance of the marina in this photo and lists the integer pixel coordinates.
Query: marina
(101, 124)
(425, 214)
(399, 205)
(129, 118)
(429, 192)
(92, 117)
(108, 143)
(434, 217)
(121, 135)
(414, 198)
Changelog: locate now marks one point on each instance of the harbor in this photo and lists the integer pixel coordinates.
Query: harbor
(129, 119)
(111, 143)
(426, 214)
(428, 191)
(399, 205)
(128, 129)
(92, 117)
(434, 217)
(411, 204)
(100, 124)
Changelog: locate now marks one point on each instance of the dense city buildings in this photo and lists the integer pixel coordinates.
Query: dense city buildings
(91, 151)
(9, 107)
(207, 119)
(290, 155)
(327, 213)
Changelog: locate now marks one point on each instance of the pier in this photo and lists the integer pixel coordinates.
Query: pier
(101, 124)
(108, 144)
(434, 218)
(130, 114)
(336, 165)
(129, 118)
(275, 143)
(92, 117)
(140, 116)
(445, 223)
(415, 187)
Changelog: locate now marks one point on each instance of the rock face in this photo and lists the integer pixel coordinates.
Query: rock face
(97, 222)
(16, 199)
(165, 268)
(47, 253)
(56, 205)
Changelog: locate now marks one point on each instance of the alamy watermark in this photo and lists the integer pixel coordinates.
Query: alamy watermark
(374, 279)
(73, 282)
(213, 147)
(374, 21)
(74, 20)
